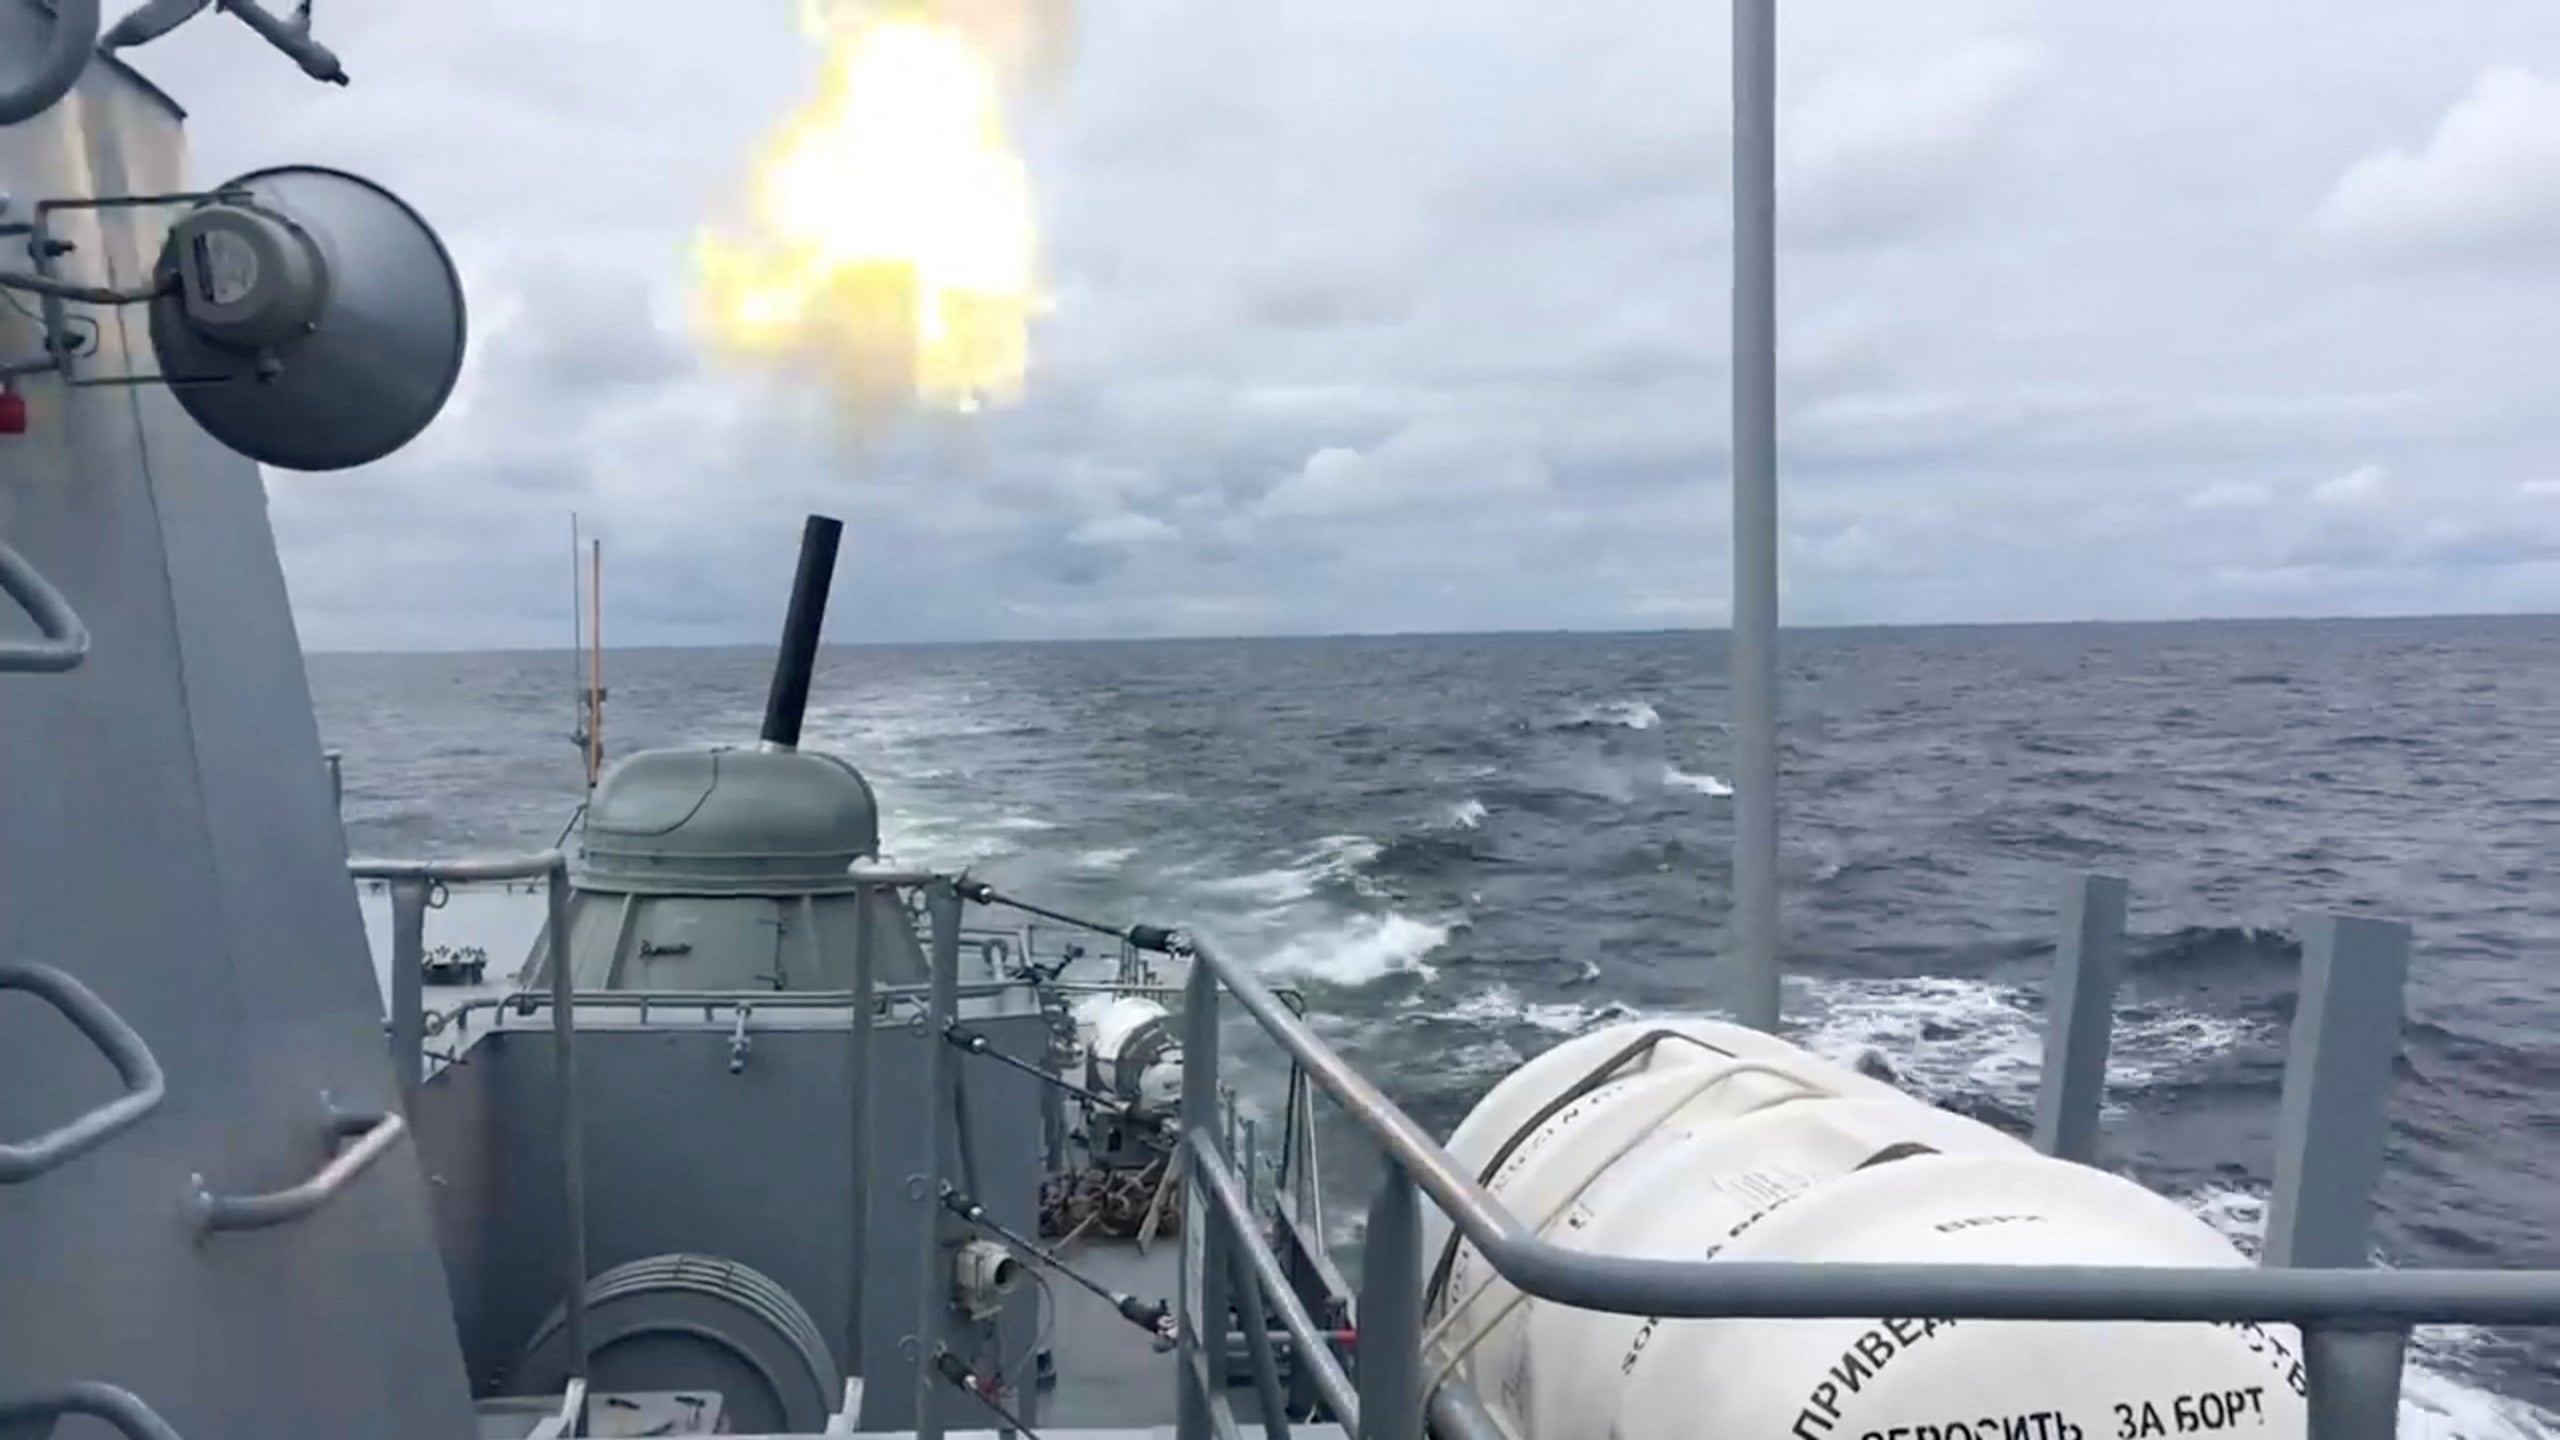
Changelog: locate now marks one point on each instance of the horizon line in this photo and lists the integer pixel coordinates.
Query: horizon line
(2089, 622)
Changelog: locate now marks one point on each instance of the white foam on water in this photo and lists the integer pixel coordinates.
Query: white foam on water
(2437, 1406)
(1500, 1005)
(1359, 950)
(1336, 859)
(917, 716)
(1946, 1035)
(1105, 860)
(939, 840)
(2437, 1402)
(1675, 778)
(1343, 858)
(1270, 889)
(1627, 714)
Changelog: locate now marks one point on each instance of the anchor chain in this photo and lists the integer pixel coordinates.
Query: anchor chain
(1112, 1202)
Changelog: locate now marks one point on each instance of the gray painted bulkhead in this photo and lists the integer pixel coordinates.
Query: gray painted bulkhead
(168, 841)
(683, 1154)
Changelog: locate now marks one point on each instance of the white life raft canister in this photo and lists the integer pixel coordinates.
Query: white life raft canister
(1727, 1143)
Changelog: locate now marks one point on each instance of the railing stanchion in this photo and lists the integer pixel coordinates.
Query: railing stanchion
(858, 1081)
(2332, 1118)
(1249, 1164)
(2079, 1018)
(573, 1132)
(1306, 1174)
(2332, 1123)
(1319, 1372)
(1200, 1323)
(1390, 1314)
(409, 987)
(1458, 1413)
(1256, 1317)
(2353, 1380)
(933, 1288)
(2331, 1134)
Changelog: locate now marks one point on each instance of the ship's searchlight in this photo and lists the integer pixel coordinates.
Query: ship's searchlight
(307, 318)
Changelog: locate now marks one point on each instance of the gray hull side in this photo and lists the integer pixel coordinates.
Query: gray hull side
(174, 848)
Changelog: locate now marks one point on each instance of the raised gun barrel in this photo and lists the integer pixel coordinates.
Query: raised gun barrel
(789, 699)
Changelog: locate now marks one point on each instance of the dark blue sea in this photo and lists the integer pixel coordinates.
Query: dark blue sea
(1468, 848)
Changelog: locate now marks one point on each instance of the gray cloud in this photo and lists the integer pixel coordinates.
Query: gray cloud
(1414, 316)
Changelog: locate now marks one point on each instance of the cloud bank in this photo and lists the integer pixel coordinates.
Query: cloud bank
(1413, 317)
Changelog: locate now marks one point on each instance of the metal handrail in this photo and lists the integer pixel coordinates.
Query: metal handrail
(144, 1086)
(525, 1002)
(375, 1132)
(552, 868)
(1223, 1186)
(2354, 1319)
(1699, 1289)
(66, 640)
(570, 1419)
(463, 871)
(909, 992)
(120, 1408)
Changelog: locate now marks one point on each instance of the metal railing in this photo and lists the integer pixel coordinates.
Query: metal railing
(62, 643)
(2354, 1319)
(374, 1133)
(145, 1086)
(410, 881)
(2331, 1129)
(934, 1002)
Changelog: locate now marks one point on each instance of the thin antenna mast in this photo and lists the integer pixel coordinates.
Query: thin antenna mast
(580, 733)
(595, 663)
(1754, 927)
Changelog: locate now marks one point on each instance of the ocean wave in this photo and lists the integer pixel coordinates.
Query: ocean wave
(2437, 1401)
(1425, 855)
(1948, 1038)
(1361, 950)
(2210, 946)
(1336, 860)
(1627, 714)
(1675, 778)
(936, 840)
(1274, 888)
(1105, 859)
(1502, 1006)
(1341, 860)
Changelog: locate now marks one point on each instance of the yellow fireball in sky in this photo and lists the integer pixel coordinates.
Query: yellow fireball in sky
(892, 246)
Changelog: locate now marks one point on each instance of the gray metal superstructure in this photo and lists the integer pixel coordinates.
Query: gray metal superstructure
(762, 1136)
(166, 839)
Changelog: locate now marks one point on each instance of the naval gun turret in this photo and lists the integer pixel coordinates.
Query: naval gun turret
(729, 868)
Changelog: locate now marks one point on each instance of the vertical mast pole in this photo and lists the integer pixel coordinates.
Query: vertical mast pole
(1754, 929)
(582, 736)
(595, 665)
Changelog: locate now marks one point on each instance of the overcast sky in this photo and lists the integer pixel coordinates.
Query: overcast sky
(1411, 316)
